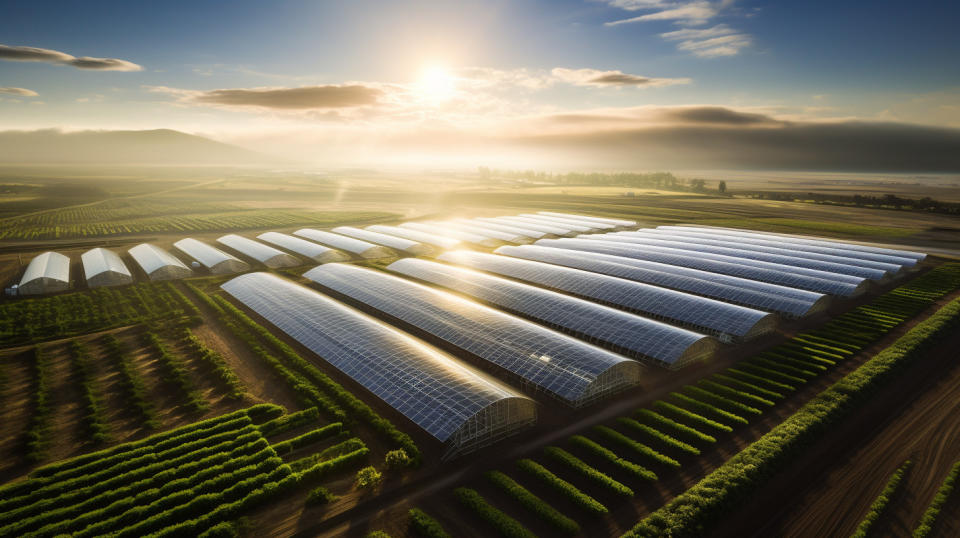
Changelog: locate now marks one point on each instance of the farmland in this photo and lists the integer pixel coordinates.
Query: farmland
(270, 437)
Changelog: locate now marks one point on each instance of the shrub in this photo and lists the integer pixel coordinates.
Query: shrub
(320, 495)
(369, 478)
(533, 503)
(396, 459)
(425, 526)
(502, 523)
(289, 422)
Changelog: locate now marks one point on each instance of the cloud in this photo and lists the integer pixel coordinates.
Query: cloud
(302, 98)
(23, 92)
(595, 77)
(691, 13)
(728, 45)
(34, 54)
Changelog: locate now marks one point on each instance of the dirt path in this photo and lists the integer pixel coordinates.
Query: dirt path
(917, 417)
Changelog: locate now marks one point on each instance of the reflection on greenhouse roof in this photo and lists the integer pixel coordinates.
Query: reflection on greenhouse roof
(392, 241)
(535, 357)
(157, 263)
(415, 235)
(315, 252)
(450, 401)
(352, 245)
(215, 260)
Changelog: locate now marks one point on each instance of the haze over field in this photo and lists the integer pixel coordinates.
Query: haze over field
(585, 84)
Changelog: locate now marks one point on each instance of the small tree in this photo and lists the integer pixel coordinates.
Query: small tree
(722, 187)
(368, 478)
(396, 459)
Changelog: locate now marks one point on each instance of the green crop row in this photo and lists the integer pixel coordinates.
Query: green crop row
(425, 526)
(131, 381)
(932, 512)
(94, 416)
(683, 414)
(720, 402)
(658, 435)
(339, 463)
(502, 523)
(534, 504)
(637, 447)
(690, 434)
(217, 364)
(562, 487)
(289, 422)
(350, 445)
(882, 500)
(740, 476)
(176, 373)
(310, 437)
(602, 453)
(576, 464)
(740, 396)
(38, 433)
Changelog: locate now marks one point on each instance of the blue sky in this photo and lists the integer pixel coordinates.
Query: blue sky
(471, 66)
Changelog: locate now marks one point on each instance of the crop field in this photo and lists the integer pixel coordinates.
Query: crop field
(173, 408)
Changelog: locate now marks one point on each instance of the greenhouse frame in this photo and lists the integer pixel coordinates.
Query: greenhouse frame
(538, 359)
(634, 336)
(158, 264)
(726, 321)
(452, 402)
(102, 268)
(307, 249)
(386, 240)
(352, 245)
(48, 272)
(215, 260)
(783, 300)
(715, 264)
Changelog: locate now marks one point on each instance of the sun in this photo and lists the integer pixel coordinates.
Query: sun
(436, 83)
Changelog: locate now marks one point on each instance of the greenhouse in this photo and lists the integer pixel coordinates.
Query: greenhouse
(157, 263)
(554, 228)
(783, 275)
(510, 228)
(653, 238)
(450, 401)
(486, 231)
(103, 267)
(622, 332)
(47, 273)
(534, 357)
(616, 222)
(767, 241)
(449, 231)
(354, 246)
(435, 240)
(783, 300)
(726, 321)
(564, 221)
(308, 249)
(808, 240)
(215, 260)
(391, 241)
(265, 254)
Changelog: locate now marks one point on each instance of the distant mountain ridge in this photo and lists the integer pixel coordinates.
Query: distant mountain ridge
(155, 147)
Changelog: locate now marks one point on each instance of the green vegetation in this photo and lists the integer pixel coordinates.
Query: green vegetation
(504, 525)
(425, 526)
(534, 504)
(881, 502)
(396, 459)
(59, 316)
(929, 518)
(562, 487)
(131, 381)
(740, 476)
(659, 436)
(38, 433)
(289, 422)
(176, 373)
(691, 417)
(562, 456)
(639, 448)
(690, 434)
(308, 438)
(320, 495)
(369, 478)
(602, 453)
(94, 419)
(216, 364)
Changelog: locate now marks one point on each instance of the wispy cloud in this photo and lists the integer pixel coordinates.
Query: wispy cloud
(716, 41)
(595, 77)
(23, 92)
(34, 54)
(719, 40)
(302, 98)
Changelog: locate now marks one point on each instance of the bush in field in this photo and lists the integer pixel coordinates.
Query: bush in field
(320, 495)
(396, 459)
(369, 478)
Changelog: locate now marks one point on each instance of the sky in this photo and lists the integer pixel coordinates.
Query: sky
(523, 83)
